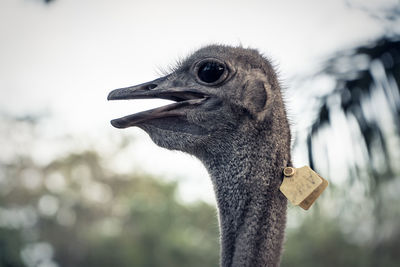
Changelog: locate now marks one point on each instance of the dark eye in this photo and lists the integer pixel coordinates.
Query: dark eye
(210, 72)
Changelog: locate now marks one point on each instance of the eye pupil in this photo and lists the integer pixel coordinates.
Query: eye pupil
(210, 72)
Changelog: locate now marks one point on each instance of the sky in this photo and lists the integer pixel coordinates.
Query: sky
(64, 58)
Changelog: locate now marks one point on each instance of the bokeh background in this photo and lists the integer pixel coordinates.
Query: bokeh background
(76, 192)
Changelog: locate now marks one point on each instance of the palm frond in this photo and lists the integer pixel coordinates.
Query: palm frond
(366, 92)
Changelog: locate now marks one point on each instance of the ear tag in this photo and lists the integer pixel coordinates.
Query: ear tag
(302, 186)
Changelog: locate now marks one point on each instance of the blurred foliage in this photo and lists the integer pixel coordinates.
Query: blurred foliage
(320, 241)
(362, 105)
(357, 123)
(369, 73)
(74, 211)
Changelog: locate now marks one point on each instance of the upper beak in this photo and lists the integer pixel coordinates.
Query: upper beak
(155, 89)
(158, 88)
(144, 90)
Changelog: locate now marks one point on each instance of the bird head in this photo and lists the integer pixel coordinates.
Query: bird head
(218, 91)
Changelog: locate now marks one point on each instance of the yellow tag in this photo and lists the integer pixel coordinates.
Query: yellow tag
(302, 186)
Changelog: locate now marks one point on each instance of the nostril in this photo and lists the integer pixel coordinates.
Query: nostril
(151, 86)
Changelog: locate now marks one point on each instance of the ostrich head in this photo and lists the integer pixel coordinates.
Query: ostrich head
(219, 92)
(229, 113)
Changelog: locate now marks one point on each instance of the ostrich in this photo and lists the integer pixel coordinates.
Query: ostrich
(229, 113)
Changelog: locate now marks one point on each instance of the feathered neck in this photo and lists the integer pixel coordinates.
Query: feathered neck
(246, 172)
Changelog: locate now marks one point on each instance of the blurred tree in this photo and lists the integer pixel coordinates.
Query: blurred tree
(357, 124)
(74, 211)
(320, 241)
(367, 92)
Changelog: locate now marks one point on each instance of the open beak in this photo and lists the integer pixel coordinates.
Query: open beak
(155, 89)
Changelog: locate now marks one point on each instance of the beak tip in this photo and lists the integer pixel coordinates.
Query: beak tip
(113, 123)
(110, 96)
(116, 124)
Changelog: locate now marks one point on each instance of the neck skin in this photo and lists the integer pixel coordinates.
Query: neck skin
(252, 211)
